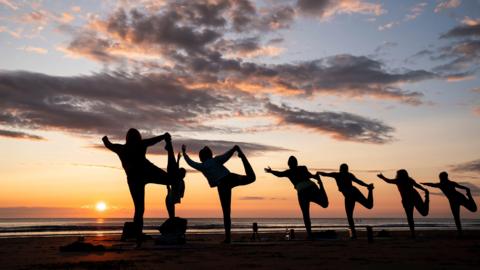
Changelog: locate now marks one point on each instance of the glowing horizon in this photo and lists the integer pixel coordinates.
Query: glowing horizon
(378, 85)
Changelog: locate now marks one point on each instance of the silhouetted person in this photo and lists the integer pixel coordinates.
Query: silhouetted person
(175, 191)
(307, 191)
(219, 176)
(140, 171)
(455, 198)
(352, 195)
(410, 197)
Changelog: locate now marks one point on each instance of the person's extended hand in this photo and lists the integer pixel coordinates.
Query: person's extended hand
(268, 169)
(380, 175)
(168, 137)
(105, 138)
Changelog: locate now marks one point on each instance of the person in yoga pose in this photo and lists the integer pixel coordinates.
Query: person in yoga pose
(352, 195)
(455, 198)
(307, 191)
(218, 176)
(410, 197)
(140, 171)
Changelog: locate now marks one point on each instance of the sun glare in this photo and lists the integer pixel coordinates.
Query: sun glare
(101, 206)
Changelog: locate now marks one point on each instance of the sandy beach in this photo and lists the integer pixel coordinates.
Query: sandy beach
(431, 250)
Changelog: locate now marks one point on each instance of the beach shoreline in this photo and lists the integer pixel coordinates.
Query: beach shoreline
(432, 249)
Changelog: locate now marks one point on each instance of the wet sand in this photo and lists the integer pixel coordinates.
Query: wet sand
(431, 250)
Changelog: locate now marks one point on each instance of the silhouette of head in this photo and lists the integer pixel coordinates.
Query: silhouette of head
(133, 136)
(292, 162)
(181, 173)
(205, 154)
(443, 176)
(344, 168)
(402, 174)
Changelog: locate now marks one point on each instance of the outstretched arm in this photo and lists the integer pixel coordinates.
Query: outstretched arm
(227, 155)
(457, 185)
(276, 173)
(193, 164)
(388, 180)
(114, 147)
(358, 181)
(417, 185)
(155, 140)
(327, 174)
(435, 185)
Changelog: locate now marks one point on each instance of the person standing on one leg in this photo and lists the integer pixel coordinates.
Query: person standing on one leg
(352, 195)
(139, 170)
(307, 191)
(410, 197)
(218, 176)
(455, 198)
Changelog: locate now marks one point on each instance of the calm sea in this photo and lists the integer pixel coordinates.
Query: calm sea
(25, 227)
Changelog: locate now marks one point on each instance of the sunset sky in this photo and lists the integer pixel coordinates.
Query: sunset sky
(380, 85)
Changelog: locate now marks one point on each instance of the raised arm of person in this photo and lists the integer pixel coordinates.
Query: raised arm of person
(417, 185)
(358, 181)
(157, 139)
(388, 180)
(114, 147)
(435, 185)
(276, 173)
(327, 174)
(457, 185)
(227, 155)
(193, 164)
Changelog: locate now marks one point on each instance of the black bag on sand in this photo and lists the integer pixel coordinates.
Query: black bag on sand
(129, 231)
(172, 232)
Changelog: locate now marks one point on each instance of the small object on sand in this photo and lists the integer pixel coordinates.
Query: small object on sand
(292, 234)
(328, 234)
(383, 233)
(129, 231)
(81, 246)
(370, 234)
(172, 232)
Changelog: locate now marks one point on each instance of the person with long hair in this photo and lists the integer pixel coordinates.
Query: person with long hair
(307, 191)
(220, 177)
(410, 197)
(455, 198)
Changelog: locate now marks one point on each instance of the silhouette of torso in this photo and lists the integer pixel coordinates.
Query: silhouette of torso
(448, 188)
(405, 187)
(344, 181)
(298, 175)
(133, 158)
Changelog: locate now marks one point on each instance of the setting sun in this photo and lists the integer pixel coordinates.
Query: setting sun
(101, 206)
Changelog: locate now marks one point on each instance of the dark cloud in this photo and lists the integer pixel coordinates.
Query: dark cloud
(102, 103)
(461, 56)
(19, 135)
(315, 7)
(471, 166)
(463, 31)
(343, 126)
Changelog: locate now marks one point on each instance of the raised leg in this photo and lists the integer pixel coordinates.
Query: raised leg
(422, 206)
(249, 173)
(470, 203)
(319, 196)
(358, 196)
